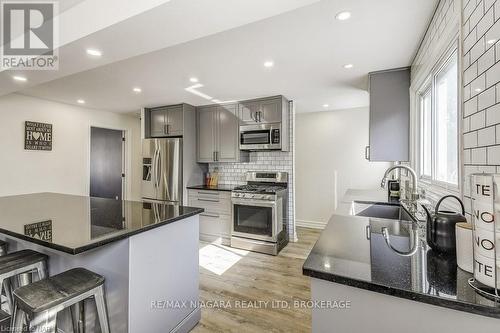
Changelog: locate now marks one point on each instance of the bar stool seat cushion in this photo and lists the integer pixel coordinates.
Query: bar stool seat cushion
(45, 294)
(20, 259)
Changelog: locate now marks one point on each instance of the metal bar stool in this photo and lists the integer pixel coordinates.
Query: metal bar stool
(21, 263)
(41, 301)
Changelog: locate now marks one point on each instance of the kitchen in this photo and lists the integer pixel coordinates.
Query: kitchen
(246, 153)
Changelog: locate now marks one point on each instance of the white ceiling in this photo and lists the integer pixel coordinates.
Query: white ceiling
(225, 47)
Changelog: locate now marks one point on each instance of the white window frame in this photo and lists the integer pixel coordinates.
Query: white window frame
(430, 83)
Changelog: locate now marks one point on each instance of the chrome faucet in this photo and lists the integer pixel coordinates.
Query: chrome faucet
(414, 195)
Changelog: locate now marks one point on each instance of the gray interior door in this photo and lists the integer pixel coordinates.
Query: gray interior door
(106, 163)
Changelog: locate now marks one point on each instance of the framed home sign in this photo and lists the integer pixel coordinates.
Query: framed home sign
(37, 136)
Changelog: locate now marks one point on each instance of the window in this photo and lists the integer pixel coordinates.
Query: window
(438, 105)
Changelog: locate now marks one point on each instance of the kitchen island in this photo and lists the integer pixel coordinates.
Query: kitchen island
(382, 291)
(147, 252)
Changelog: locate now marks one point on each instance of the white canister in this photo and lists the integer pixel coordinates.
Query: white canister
(463, 234)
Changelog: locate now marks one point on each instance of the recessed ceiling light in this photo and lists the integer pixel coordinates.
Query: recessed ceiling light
(325, 105)
(478, 90)
(348, 66)
(137, 90)
(342, 16)
(94, 52)
(491, 41)
(193, 79)
(20, 78)
(269, 64)
(80, 101)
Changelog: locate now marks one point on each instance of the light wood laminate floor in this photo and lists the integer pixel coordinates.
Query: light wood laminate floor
(234, 286)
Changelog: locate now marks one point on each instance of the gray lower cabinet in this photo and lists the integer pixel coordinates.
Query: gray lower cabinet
(261, 111)
(389, 115)
(166, 121)
(215, 221)
(218, 134)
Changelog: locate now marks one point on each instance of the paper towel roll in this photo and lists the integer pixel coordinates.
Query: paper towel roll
(463, 232)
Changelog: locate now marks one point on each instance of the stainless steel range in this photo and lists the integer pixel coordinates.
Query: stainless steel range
(260, 212)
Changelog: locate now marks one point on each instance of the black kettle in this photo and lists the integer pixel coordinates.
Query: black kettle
(441, 227)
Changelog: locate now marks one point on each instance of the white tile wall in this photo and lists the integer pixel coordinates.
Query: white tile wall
(234, 173)
(481, 140)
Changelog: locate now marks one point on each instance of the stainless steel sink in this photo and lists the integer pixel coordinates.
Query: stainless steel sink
(381, 210)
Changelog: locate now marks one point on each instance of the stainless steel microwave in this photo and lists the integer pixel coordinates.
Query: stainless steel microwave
(261, 137)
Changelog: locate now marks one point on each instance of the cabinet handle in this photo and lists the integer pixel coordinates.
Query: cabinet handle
(208, 200)
(213, 156)
(217, 156)
(168, 129)
(367, 153)
(210, 215)
(165, 129)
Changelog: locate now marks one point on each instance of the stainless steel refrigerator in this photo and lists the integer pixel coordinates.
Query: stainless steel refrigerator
(162, 170)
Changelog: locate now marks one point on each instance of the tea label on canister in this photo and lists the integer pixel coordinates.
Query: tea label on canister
(483, 216)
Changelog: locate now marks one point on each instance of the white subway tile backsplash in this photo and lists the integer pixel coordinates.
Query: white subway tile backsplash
(470, 40)
(470, 140)
(488, 4)
(494, 155)
(486, 98)
(486, 60)
(477, 50)
(477, 14)
(493, 75)
(470, 74)
(478, 85)
(485, 23)
(493, 115)
(479, 156)
(478, 120)
(494, 31)
(470, 107)
(486, 136)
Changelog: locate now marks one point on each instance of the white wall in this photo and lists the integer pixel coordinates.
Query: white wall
(65, 169)
(330, 142)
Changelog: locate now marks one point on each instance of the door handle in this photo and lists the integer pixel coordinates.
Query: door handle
(367, 152)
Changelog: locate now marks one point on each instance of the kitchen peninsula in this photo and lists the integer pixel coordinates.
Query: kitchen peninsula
(148, 256)
(421, 291)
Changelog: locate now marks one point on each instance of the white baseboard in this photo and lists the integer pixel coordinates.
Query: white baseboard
(310, 224)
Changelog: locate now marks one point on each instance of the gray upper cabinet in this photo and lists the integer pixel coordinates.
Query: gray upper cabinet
(175, 121)
(261, 111)
(206, 136)
(389, 115)
(167, 121)
(218, 133)
(248, 113)
(228, 149)
(271, 111)
(158, 122)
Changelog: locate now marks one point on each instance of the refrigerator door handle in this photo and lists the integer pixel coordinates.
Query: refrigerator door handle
(155, 166)
(158, 168)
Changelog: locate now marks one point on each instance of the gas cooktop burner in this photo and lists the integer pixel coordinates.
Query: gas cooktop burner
(252, 188)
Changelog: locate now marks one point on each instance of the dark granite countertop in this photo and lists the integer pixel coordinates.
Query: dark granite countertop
(221, 187)
(75, 224)
(352, 251)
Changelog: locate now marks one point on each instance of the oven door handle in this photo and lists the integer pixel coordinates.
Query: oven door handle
(256, 203)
